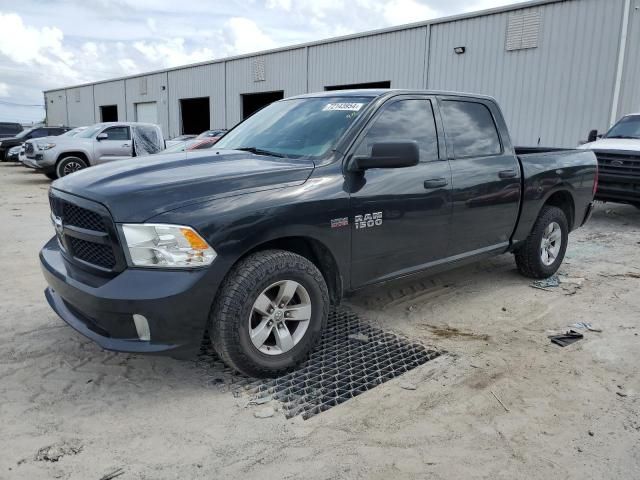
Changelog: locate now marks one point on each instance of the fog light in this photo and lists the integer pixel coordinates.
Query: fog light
(142, 327)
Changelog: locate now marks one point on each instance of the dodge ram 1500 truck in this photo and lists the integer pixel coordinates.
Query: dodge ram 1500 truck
(310, 198)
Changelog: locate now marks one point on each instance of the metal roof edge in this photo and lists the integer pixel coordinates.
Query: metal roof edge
(369, 33)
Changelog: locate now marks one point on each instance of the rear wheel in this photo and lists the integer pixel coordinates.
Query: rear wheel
(543, 251)
(68, 165)
(269, 313)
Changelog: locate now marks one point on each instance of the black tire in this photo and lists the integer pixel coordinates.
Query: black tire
(528, 256)
(51, 175)
(232, 311)
(65, 162)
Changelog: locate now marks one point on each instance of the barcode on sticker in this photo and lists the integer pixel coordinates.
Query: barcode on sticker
(349, 107)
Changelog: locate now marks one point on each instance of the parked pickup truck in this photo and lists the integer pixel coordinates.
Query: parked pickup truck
(618, 153)
(100, 143)
(309, 199)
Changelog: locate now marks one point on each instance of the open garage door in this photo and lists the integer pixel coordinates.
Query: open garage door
(147, 112)
(252, 102)
(108, 113)
(194, 114)
(355, 86)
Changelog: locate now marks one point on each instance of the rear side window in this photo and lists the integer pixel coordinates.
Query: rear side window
(10, 129)
(470, 127)
(118, 133)
(404, 120)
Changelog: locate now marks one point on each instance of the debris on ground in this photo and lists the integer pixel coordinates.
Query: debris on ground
(623, 275)
(566, 338)
(259, 401)
(111, 475)
(55, 452)
(546, 283)
(585, 326)
(408, 386)
(359, 337)
(266, 412)
(500, 401)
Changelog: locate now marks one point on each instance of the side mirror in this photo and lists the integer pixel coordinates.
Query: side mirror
(388, 155)
(593, 136)
(102, 136)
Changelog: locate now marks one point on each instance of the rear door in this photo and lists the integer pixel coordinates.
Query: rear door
(485, 174)
(116, 146)
(400, 216)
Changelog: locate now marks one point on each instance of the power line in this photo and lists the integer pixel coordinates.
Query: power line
(13, 104)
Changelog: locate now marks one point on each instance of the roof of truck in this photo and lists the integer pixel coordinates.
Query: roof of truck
(377, 92)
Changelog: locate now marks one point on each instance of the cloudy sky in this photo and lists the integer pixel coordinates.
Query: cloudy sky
(47, 43)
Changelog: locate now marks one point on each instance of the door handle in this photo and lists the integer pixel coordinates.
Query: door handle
(126, 145)
(435, 183)
(507, 174)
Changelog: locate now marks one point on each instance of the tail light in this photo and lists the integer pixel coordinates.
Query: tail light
(595, 180)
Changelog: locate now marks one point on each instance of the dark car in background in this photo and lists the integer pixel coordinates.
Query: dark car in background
(9, 129)
(37, 132)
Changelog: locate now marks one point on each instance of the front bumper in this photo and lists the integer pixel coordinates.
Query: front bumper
(175, 303)
(30, 163)
(618, 188)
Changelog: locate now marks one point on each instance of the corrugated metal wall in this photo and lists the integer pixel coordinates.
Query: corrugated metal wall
(282, 71)
(149, 88)
(202, 81)
(80, 109)
(110, 93)
(56, 101)
(556, 92)
(398, 57)
(630, 92)
(553, 93)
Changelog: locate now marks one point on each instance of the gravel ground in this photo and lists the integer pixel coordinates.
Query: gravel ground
(503, 403)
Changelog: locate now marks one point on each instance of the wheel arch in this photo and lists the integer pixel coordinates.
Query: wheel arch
(78, 153)
(313, 250)
(562, 198)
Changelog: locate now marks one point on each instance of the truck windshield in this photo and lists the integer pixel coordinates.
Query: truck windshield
(90, 131)
(627, 127)
(303, 127)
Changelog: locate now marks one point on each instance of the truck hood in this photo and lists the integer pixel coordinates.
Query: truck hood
(628, 144)
(137, 189)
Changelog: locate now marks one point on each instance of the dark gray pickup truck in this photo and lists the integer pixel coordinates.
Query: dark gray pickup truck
(311, 198)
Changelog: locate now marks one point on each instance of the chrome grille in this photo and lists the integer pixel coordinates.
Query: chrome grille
(619, 163)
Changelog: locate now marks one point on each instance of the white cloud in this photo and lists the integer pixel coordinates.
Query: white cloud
(171, 52)
(243, 35)
(4, 89)
(397, 12)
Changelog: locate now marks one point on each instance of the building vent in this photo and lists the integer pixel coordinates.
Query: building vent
(522, 30)
(77, 95)
(143, 85)
(258, 70)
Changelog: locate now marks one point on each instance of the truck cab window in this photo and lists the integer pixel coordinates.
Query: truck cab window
(404, 120)
(470, 126)
(118, 133)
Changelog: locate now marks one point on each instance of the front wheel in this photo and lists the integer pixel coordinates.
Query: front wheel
(543, 251)
(269, 313)
(69, 165)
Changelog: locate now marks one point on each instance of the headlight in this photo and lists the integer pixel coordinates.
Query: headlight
(46, 146)
(166, 246)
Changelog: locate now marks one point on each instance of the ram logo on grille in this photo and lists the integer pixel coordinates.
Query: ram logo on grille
(57, 224)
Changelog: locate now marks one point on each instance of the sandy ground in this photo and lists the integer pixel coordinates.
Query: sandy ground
(569, 412)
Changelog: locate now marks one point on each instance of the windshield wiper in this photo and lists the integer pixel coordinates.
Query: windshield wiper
(624, 136)
(260, 151)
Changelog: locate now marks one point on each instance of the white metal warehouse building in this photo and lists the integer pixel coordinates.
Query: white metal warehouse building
(558, 68)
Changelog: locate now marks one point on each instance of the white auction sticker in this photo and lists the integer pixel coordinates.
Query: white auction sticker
(348, 107)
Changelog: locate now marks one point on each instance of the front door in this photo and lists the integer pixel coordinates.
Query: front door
(486, 177)
(400, 217)
(116, 146)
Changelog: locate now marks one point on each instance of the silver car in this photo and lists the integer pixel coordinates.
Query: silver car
(99, 143)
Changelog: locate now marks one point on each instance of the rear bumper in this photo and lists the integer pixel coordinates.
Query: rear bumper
(176, 305)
